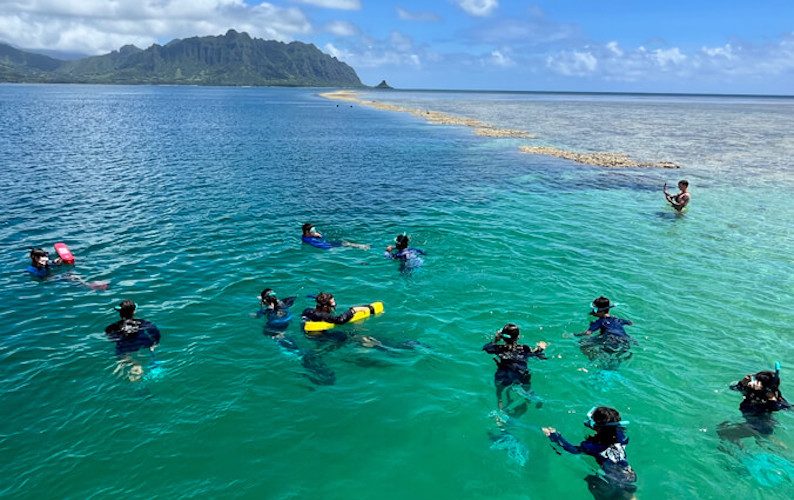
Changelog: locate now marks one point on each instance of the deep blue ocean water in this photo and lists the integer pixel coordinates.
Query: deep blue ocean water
(189, 201)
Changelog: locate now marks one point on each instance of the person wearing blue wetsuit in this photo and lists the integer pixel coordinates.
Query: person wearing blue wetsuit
(40, 265)
(276, 311)
(131, 334)
(611, 338)
(512, 363)
(407, 256)
(312, 237)
(608, 447)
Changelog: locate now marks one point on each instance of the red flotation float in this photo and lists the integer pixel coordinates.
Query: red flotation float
(64, 253)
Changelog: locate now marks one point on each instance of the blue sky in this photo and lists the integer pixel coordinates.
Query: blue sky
(673, 46)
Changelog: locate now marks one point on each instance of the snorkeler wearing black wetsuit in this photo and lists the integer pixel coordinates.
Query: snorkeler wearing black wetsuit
(612, 341)
(511, 362)
(608, 447)
(761, 397)
(131, 334)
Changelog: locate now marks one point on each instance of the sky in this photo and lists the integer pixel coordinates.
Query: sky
(707, 46)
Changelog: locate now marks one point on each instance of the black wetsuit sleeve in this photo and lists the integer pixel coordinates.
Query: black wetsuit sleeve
(493, 348)
(537, 352)
(344, 317)
(557, 438)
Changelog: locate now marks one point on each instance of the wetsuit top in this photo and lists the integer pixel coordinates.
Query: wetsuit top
(319, 242)
(405, 253)
(38, 272)
(515, 359)
(132, 334)
(311, 314)
(610, 325)
(611, 457)
(757, 402)
(281, 309)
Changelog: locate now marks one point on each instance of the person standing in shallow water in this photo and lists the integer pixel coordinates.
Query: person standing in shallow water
(680, 200)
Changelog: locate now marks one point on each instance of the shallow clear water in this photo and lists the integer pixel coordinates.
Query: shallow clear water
(189, 200)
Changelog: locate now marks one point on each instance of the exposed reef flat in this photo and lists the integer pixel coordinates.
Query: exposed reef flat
(600, 159)
(435, 117)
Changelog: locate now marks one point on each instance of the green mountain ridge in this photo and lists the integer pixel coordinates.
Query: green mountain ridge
(230, 59)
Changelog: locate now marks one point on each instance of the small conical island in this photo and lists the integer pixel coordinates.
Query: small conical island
(384, 85)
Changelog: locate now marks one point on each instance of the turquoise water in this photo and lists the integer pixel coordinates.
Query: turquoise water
(189, 200)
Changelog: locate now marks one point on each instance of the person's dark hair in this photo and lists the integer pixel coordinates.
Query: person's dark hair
(323, 300)
(603, 416)
(510, 332)
(126, 309)
(306, 227)
(601, 304)
(769, 380)
(35, 253)
(268, 297)
(401, 241)
(684, 182)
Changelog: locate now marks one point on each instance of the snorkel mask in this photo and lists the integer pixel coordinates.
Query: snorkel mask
(591, 424)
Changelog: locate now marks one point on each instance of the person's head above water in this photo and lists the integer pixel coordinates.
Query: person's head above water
(765, 381)
(603, 417)
(600, 306)
(509, 333)
(683, 184)
(39, 257)
(309, 230)
(401, 241)
(268, 296)
(325, 301)
(126, 309)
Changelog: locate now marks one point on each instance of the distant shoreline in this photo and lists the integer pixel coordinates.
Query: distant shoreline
(483, 129)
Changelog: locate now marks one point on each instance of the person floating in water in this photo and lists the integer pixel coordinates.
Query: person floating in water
(761, 392)
(41, 267)
(409, 257)
(314, 238)
(761, 397)
(130, 335)
(511, 364)
(680, 200)
(608, 447)
(611, 340)
(324, 311)
(40, 264)
(276, 311)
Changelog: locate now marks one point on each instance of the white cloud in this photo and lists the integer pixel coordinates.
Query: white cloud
(573, 63)
(479, 8)
(342, 28)
(725, 51)
(669, 56)
(407, 15)
(99, 26)
(400, 42)
(615, 49)
(333, 4)
(497, 58)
